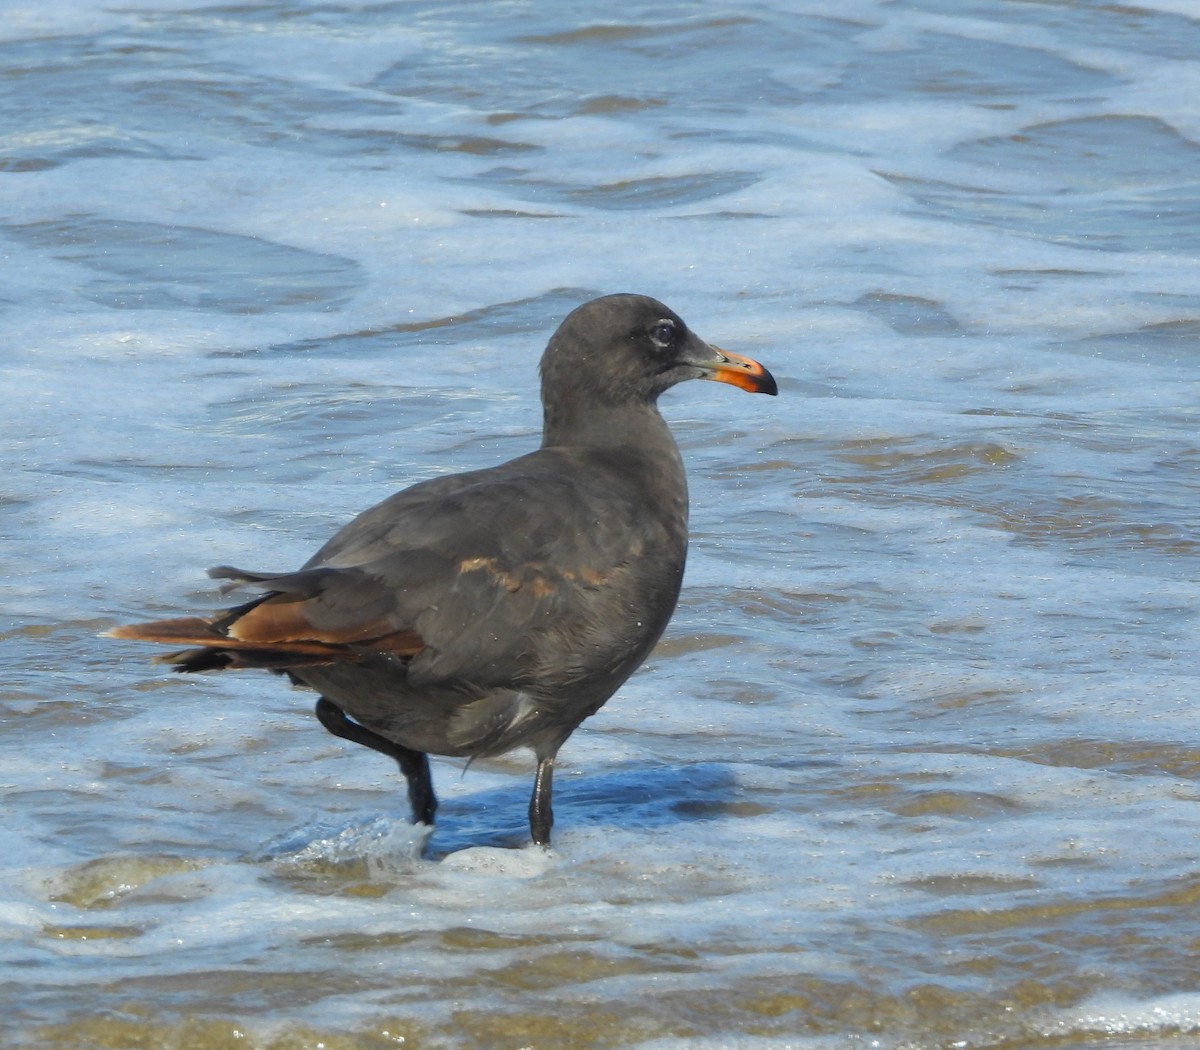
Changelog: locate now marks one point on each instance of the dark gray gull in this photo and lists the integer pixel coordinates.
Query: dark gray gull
(476, 613)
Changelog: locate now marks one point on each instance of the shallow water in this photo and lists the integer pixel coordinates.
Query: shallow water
(916, 764)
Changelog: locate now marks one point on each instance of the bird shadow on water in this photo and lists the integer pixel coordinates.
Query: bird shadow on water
(387, 848)
(642, 798)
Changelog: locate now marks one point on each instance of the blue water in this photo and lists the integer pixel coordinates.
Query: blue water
(916, 763)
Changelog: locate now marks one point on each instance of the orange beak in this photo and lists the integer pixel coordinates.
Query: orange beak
(739, 371)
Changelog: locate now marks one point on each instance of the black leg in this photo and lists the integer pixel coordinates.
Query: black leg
(413, 764)
(541, 814)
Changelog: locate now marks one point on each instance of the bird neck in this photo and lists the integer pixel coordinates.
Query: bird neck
(585, 423)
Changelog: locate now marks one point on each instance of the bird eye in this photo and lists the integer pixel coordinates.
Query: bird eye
(663, 333)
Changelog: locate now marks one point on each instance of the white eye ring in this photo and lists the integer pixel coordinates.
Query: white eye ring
(663, 333)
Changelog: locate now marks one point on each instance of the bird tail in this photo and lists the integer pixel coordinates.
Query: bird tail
(273, 630)
(211, 650)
